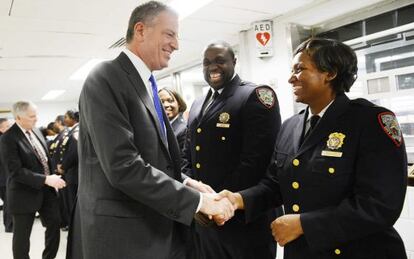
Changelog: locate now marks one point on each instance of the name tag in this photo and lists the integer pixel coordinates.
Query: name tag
(331, 153)
(223, 125)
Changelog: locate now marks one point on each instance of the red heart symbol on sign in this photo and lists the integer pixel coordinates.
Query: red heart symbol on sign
(263, 38)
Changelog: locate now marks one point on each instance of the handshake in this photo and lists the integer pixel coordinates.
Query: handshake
(215, 207)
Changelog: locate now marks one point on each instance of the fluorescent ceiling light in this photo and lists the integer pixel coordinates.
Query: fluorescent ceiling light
(52, 94)
(186, 8)
(84, 70)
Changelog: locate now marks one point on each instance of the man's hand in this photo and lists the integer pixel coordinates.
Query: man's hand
(286, 228)
(219, 208)
(234, 197)
(199, 186)
(55, 181)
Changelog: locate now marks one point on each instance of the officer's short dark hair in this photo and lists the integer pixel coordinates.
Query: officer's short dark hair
(145, 13)
(334, 57)
(182, 106)
(221, 43)
(73, 114)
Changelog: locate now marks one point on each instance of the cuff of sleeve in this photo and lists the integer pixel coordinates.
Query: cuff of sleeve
(199, 203)
(186, 180)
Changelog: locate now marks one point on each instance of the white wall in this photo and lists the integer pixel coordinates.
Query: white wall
(273, 71)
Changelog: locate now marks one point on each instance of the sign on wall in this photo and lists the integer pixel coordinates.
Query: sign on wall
(263, 37)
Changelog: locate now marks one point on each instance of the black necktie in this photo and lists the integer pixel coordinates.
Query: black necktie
(211, 100)
(313, 121)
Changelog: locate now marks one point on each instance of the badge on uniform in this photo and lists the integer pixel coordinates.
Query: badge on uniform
(266, 96)
(334, 144)
(391, 127)
(223, 120)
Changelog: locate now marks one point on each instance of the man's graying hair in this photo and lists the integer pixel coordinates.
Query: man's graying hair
(145, 13)
(21, 107)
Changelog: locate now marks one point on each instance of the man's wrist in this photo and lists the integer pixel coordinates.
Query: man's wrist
(239, 201)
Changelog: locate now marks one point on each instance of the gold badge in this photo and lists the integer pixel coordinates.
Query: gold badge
(224, 119)
(335, 141)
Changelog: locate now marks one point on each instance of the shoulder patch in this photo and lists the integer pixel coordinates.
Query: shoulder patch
(266, 96)
(389, 124)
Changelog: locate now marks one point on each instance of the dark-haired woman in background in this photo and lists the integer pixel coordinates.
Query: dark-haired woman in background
(339, 168)
(174, 107)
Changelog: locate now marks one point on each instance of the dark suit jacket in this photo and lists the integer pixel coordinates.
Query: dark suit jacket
(234, 156)
(130, 196)
(26, 178)
(179, 127)
(350, 196)
(3, 172)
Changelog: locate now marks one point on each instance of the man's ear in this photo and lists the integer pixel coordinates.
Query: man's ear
(139, 28)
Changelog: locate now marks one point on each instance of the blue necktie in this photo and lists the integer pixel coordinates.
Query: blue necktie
(157, 104)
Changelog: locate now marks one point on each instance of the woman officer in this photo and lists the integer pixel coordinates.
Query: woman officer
(339, 167)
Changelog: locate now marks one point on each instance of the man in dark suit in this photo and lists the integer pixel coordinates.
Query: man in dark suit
(130, 199)
(230, 138)
(7, 220)
(31, 187)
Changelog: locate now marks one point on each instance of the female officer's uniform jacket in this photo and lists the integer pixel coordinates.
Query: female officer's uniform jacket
(347, 180)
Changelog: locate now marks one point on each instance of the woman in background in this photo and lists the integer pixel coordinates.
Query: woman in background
(174, 107)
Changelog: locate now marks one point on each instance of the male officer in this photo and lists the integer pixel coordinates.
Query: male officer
(231, 133)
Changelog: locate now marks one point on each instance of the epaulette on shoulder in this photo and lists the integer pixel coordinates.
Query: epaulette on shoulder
(302, 111)
(363, 102)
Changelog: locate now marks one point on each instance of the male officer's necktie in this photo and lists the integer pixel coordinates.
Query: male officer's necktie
(211, 101)
(39, 154)
(157, 104)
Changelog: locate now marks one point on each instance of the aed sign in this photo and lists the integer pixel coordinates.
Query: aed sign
(263, 38)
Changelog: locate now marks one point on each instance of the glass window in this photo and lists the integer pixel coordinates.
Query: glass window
(165, 82)
(193, 84)
(378, 85)
(405, 81)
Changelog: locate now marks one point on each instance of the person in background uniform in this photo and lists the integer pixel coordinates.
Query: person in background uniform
(230, 139)
(68, 167)
(339, 168)
(49, 133)
(56, 151)
(7, 219)
(31, 186)
(131, 197)
(174, 106)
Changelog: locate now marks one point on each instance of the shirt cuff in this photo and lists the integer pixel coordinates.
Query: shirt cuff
(199, 203)
(186, 180)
